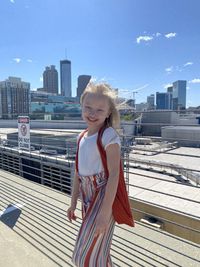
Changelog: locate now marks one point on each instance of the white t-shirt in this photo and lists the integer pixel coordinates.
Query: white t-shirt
(89, 159)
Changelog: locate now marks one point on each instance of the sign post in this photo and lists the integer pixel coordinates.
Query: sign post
(24, 132)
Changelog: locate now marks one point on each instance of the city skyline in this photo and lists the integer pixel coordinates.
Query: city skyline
(133, 45)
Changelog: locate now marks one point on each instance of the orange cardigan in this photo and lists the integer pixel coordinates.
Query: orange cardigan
(121, 206)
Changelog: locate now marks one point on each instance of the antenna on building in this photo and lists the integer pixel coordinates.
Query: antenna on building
(66, 53)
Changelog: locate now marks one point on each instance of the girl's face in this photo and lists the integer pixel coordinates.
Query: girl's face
(95, 109)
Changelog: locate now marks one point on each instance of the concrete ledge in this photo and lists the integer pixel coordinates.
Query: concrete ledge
(165, 216)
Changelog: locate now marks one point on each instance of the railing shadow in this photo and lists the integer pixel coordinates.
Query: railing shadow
(43, 224)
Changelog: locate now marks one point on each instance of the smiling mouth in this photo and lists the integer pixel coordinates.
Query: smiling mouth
(92, 120)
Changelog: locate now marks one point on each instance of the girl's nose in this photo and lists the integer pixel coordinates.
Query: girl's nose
(92, 112)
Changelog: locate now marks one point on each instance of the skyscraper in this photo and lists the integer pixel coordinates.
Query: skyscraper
(65, 78)
(83, 81)
(50, 80)
(151, 102)
(14, 98)
(163, 100)
(179, 95)
(170, 89)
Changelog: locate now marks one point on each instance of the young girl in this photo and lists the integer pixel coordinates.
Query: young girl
(98, 179)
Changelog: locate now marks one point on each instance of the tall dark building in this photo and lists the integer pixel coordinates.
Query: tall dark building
(14, 98)
(65, 78)
(50, 80)
(83, 81)
(163, 100)
(170, 89)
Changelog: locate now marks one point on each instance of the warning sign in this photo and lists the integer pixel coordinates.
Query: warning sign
(24, 132)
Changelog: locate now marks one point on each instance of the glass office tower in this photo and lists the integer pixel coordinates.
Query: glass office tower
(151, 102)
(179, 95)
(83, 81)
(65, 78)
(163, 100)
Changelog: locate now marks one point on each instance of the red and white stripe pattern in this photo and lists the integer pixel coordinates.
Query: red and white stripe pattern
(91, 251)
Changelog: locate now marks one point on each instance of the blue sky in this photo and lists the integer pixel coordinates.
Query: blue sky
(141, 45)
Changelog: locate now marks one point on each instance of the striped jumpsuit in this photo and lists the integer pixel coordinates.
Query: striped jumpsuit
(91, 251)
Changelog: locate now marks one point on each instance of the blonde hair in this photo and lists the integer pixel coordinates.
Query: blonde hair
(105, 90)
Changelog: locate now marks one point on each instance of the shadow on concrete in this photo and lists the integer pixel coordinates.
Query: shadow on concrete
(10, 215)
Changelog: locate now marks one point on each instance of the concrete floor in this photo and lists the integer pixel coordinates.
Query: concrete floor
(34, 232)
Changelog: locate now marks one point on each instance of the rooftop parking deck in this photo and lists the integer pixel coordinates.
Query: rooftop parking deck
(34, 231)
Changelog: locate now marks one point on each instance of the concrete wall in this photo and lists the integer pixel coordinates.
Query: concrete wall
(186, 136)
(42, 124)
(62, 124)
(129, 127)
(171, 221)
(152, 121)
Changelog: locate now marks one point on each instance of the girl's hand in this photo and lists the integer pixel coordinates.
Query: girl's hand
(102, 222)
(70, 214)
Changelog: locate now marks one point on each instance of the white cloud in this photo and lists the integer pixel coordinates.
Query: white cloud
(17, 60)
(29, 60)
(41, 79)
(169, 69)
(179, 69)
(12, 1)
(170, 35)
(145, 38)
(167, 85)
(188, 64)
(158, 34)
(196, 80)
